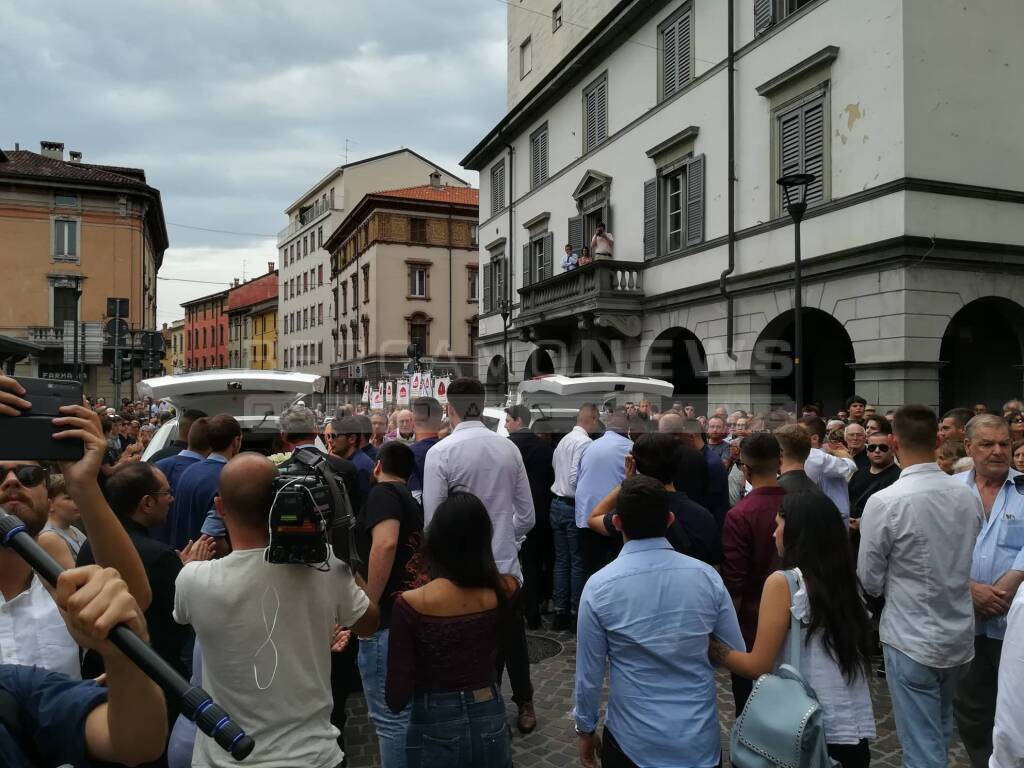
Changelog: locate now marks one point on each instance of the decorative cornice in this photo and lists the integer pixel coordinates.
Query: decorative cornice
(687, 134)
(819, 60)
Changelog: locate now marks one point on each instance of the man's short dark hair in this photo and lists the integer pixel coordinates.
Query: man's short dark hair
(642, 507)
(657, 455)
(186, 420)
(396, 459)
(222, 430)
(916, 427)
(793, 440)
(199, 435)
(519, 413)
(776, 420)
(349, 425)
(106, 424)
(761, 452)
(884, 427)
(466, 395)
(960, 415)
(815, 426)
(128, 485)
(427, 411)
(856, 399)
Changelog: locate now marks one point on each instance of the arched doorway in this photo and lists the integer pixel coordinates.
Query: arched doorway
(595, 356)
(982, 352)
(676, 355)
(497, 375)
(827, 355)
(539, 363)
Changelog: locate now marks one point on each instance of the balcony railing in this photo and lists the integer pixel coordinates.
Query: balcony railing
(46, 335)
(304, 220)
(602, 280)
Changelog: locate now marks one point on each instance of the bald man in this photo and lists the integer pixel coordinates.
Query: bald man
(266, 629)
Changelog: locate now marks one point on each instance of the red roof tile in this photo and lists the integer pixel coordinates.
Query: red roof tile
(33, 165)
(442, 194)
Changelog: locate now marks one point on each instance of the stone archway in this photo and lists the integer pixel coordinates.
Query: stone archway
(595, 356)
(827, 356)
(497, 375)
(677, 355)
(982, 353)
(539, 363)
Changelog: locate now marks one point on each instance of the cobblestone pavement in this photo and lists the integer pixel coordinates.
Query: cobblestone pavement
(554, 743)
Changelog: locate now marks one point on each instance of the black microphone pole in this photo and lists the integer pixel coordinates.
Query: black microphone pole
(195, 703)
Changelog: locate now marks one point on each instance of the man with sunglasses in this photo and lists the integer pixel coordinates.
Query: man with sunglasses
(32, 631)
(881, 472)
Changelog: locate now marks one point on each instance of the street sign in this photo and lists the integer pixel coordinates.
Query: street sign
(59, 372)
(153, 340)
(117, 307)
(115, 333)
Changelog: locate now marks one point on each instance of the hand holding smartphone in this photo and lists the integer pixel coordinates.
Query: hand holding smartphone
(27, 410)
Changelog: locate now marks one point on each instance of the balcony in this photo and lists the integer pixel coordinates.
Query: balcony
(304, 219)
(46, 335)
(607, 295)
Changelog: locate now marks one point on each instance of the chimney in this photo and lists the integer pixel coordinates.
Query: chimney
(52, 149)
(435, 180)
(236, 282)
(74, 157)
(271, 266)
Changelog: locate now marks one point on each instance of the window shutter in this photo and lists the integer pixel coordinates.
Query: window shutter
(814, 149)
(602, 112)
(650, 219)
(764, 15)
(549, 250)
(544, 156)
(487, 287)
(534, 161)
(576, 234)
(500, 267)
(790, 141)
(695, 200)
(526, 265)
(683, 49)
(590, 130)
(668, 60)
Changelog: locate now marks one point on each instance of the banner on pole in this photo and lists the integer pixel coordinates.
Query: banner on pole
(427, 385)
(377, 400)
(403, 392)
(441, 391)
(366, 392)
(389, 392)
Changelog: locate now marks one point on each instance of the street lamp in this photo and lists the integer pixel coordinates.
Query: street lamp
(505, 308)
(794, 187)
(78, 299)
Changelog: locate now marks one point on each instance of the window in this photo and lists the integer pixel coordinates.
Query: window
(65, 240)
(538, 258)
(497, 186)
(494, 283)
(802, 146)
(676, 51)
(332, 197)
(305, 319)
(65, 200)
(64, 306)
(221, 335)
(418, 282)
(474, 234)
(320, 276)
(366, 338)
(204, 338)
(474, 284)
(305, 282)
(320, 314)
(319, 237)
(305, 246)
(355, 291)
(767, 12)
(556, 18)
(474, 334)
(525, 58)
(344, 298)
(418, 230)
(595, 113)
(366, 283)
(539, 156)
(418, 331)
(679, 221)
(320, 352)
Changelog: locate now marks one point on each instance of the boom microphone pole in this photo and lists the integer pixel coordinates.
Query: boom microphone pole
(195, 703)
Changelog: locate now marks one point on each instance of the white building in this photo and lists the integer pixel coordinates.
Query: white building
(306, 310)
(913, 243)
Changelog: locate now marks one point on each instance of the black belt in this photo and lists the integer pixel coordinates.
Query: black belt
(566, 499)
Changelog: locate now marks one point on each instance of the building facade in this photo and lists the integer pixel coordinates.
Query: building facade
(404, 271)
(305, 316)
(174, 347)
(250, 304)
(672, 126)
(206, 325)
(72, 236)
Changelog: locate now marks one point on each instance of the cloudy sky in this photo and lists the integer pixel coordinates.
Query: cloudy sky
(235, 107)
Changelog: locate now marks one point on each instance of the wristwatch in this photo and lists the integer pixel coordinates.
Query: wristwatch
(582, 733)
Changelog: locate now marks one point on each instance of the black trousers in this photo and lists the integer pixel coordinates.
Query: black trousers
(851, 755)
(612, 755)
(597, 550)
(344, 680)
(975, 703)
(741, 689)
(537, 557)
(513, 652)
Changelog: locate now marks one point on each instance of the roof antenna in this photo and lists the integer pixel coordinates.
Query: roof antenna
(347, 142)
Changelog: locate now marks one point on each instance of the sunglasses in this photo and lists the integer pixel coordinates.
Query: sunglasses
(328, 437)
(873, 448)
(29, 475)
(1015, 420)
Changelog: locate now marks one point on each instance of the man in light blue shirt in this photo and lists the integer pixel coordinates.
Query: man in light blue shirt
(602, 467)
(997, 570)
(648, 616)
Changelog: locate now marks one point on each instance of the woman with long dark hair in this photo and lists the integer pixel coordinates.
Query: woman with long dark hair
(836, 627)
(444, 643)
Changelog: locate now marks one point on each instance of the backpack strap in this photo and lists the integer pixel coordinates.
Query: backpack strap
(795, 629)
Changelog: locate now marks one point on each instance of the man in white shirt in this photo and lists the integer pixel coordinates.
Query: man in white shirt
(1008, 735)
(831, 472)
(569, 573)
(916, 547)
(602, 244)
(476, 460)
(265, 631)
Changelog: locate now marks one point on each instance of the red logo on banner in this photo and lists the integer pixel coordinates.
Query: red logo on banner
(440, 389)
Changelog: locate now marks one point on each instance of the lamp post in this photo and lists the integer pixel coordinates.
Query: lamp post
(794, 187)
(506, 313)
(78, 299)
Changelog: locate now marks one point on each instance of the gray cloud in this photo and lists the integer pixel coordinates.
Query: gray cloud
(236, 107)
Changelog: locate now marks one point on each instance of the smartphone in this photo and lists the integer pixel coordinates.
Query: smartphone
(29, 436)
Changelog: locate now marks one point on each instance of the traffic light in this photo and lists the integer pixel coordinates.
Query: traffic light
(126, 369)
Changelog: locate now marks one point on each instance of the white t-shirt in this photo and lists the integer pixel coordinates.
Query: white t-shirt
(33, 633)
(232, 606)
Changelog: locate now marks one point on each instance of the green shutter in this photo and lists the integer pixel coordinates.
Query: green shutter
(526, 265)
(576, 234)
(764, 15)
(695, 200)
(549, 250)
(650, 218)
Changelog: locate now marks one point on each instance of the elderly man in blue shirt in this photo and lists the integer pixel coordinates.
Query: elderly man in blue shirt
(602, 466)
(648, 616)
(997, 570)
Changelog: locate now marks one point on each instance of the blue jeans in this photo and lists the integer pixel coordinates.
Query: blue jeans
(466, 729)
(922, 704)
(390, 727)
(569, 574)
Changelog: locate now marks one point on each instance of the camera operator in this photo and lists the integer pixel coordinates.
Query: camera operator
(298, 433)
(38, 636)
(265, 630)
(56, 720)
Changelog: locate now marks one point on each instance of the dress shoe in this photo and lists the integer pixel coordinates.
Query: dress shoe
(527, 720)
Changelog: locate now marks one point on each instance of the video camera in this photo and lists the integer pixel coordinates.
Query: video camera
(310, 510)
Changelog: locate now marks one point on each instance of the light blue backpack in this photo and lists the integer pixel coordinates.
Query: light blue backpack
(782, 724)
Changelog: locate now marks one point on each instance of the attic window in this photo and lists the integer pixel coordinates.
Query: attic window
(65, 200)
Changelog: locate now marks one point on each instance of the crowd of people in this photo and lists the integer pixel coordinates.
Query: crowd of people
(672, 543)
